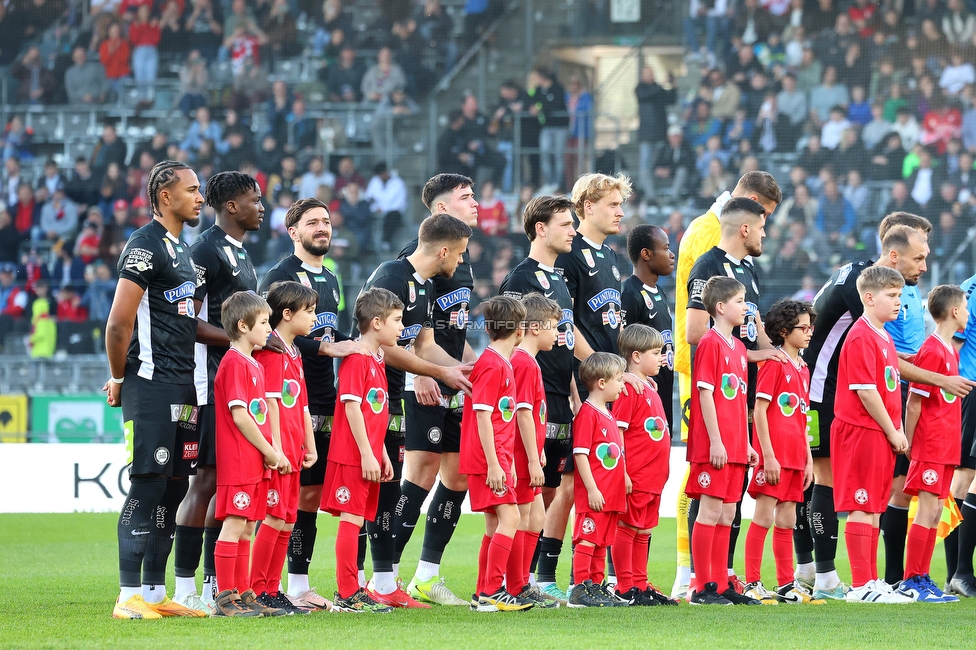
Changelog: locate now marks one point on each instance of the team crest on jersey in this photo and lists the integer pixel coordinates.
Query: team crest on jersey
(161, 455)
(609, 454)
(273, 498)
(760, 478)
(169, 248)
(588, 256)
(647, 299)
(342, 495)
(743, 360)
(500, 492)
(704, 480)
(750, 329)
(543, 279)
(567, 338)
(788, 403)
(411, 291)
(230, 256)
(930, 477)
(588, 526)
(434, 434)
(459, 318)
(335, 295)
(616, 273)
(668, 349)
(861, 496)
(303, 278)
(242, 500)
(611, 317)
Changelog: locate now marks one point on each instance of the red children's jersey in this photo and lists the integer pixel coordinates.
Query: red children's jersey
(362, 379)
(492, 390)
(868, 361)
(529, 394)
(937, 438)
(720, 366)
(786, 386)
(647, 438)
(595, 434)
(239, 382)
(284, 380)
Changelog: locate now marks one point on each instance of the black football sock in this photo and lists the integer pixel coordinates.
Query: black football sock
(894, 529)
(549, 550)
(161, 532)
(134, 525)
(302, 542)
(361, 551)
(210, 535)
(187, 548)
(734, 532)
(823, 525)
(406, 514)
(951, 543)
(967, 537)
(535, 556)
(693, 505)
(802, 540)
(609, 569)
(442, 518)
(381, 534)
(572, 558)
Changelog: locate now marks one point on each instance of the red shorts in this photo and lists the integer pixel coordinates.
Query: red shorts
(597, 528)
(283, 496)
(642, 510)
(484, 499)
(725, 484)
(929, 477)
(789, 488)
(525, 493)
(863, 465)
(345, 490)
(248, 501)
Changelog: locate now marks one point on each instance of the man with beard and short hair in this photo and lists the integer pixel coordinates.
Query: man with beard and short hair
(310, 229)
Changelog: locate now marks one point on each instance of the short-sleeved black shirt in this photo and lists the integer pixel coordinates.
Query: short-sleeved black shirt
(557, 364)
(223, 268)
(417, 295)
(649, 306)
(717, 262)
(319, 369)
(593, 280)
(165, 329)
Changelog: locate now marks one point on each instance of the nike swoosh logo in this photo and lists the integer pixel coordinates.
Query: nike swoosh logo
(140, 532)
(552, 555)
(236, 272)
(411, 307)
(549, 295)
(175, 264)
(592, 273)
(409, 525)
(193, 465)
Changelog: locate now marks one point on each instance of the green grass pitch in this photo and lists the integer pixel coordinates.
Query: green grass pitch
(59, 579)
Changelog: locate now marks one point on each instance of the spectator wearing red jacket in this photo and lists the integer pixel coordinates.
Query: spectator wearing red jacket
(940, 124)
(114, 53)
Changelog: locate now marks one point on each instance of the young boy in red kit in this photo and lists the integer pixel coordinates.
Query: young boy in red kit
(292, 314)
(542, 317)
(488, 432)
(933, 420)
(867, 431)
(647, 445)
(785, 467)
(600, 480)
(358, 461)
(245, 453)
(718, 441)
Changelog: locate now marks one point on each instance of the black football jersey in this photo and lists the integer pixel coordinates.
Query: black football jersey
(451, 298)
(417, 295)
(838, 306)
(717, 262)
(557, 364)
(649, 306)
(593, 280)
(165, 329)
(223, 268)
(319, 369)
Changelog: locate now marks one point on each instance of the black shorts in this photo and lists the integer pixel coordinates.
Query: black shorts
(395, 441)
(821, 416)
(161, 421)
(968, 432)
(433, 428)
(322, 432)
(559, 440)
(207, 431)
(901, 460)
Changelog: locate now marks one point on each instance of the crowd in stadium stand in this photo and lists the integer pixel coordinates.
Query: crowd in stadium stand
(869, 105)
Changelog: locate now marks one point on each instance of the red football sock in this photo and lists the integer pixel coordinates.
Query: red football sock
(641, 542)
(858, 537)
(582, 562)
(623, 558)
(875, 534)
(513, 569)
(278, 561)
(720, 557)
(755, 541)
(529, 542)
(346, 550)
(225, 564)
(933, 535)
(498, 552)
(243, 570)
(783, 554)
(264, 544)
(598, 564)
(701, 549)
(482, 564)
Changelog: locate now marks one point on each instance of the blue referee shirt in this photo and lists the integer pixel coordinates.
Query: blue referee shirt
(967, 355)
(908, 330)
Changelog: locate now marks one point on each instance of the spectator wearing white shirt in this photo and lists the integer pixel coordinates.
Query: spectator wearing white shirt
(834, 128)
(957, 74)
(316, 176)
(907, 127)
(387, 195)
